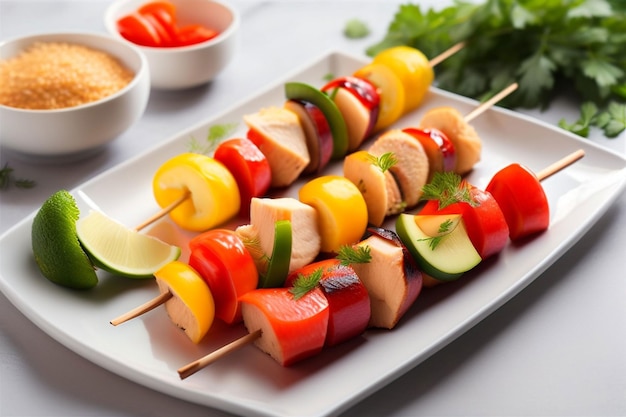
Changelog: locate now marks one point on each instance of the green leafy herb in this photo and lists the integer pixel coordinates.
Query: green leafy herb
(384, 161)
(612, 120)
(253, 245)
(359, 254)
(328, 77)
(444, 229)
(545, 46)
(305, 283)
(588, 112)
(8, 179)
(448, 188)
(356, 29)
(215, 135)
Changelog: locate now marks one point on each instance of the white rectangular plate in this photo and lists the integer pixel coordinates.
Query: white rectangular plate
(149, 350)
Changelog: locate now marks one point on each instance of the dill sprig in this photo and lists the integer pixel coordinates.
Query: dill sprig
(448, 188)
(444, 229)
(305, 283)
(358, 254)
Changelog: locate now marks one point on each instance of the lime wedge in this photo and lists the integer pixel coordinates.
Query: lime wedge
(55, 244)
(120, 250)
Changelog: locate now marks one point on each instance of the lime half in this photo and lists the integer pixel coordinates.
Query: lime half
(120, 250)
(55, 245)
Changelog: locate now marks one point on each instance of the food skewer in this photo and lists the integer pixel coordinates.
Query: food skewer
(433, 62)
(200, 363)
(164, 297)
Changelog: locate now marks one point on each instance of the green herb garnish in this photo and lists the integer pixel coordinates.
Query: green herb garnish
(545, 46)
(305, 283)
(356, 29)
(7, 179)
(612, 120)
(448, 188)
(384, 161)
(358, 254)
(215, 135)
(444, 229)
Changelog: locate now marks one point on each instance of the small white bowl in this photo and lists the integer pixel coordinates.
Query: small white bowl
(79, 129)
(188, 66)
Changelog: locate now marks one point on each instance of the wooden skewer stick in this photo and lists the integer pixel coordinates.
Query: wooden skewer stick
(446, 54)
(560, 164)
(489, 103)
(144, 308)
(164, 211)
(205, 361)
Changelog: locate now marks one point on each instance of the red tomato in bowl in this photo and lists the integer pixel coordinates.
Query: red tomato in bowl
(154, 24)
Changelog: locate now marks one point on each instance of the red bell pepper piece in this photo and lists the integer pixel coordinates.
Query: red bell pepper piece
(222, 260)
(248, 165)
(348, 299)
(522, 200)
(485, 222)
(291, 329)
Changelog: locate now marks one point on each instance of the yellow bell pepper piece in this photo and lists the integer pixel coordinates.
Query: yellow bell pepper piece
(341, 210)
(413, 69)
(390, 89)
(191, 307)
(214, 196)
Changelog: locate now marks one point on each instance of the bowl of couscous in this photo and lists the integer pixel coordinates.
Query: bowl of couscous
(69, 93)
(187, 43)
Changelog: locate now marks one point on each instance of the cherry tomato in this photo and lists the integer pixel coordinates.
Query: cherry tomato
(193, 34)
(137, 29)
(164, 11)
(485, 222)
(227, 267)
(248, 165)
(162, 15)
(522, 200)
(154, 24)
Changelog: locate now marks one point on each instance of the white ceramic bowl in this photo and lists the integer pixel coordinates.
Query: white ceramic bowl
(187, 66)
(83, 128)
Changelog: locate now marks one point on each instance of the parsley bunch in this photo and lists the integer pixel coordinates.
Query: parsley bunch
(547, 46)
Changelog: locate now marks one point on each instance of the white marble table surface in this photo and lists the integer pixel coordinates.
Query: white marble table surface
(557, 349)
